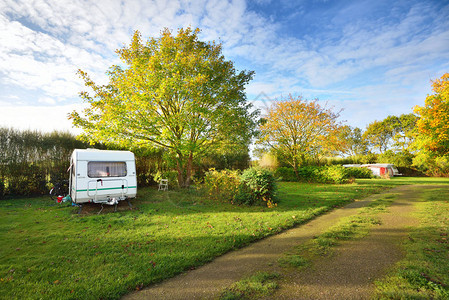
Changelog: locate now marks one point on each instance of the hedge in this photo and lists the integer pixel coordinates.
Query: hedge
(31, 162)
(322, 174)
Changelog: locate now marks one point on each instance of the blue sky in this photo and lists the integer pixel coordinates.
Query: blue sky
(370, 58)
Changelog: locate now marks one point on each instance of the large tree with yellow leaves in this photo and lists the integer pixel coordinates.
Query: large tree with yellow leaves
(175, 92)
(432, 140)
(433, 124)
(297, 129)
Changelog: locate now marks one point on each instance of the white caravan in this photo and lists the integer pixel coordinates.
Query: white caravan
(382, 169)
(102, 176)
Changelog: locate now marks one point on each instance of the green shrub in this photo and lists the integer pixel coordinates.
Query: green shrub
(322, 174)
(359, 173)
(221, 185)
(399, 159)
(369, 158)
(431, 164)
(308, 173)
(257, 187)
(332, 174)
(285, 174)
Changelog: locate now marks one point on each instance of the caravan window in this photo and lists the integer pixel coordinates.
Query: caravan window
(97, 169)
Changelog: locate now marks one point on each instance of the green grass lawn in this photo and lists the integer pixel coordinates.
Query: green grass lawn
(48, 251)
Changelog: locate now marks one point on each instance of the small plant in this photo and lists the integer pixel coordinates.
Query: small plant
(294, 260)
(257, 186)
(261, 284)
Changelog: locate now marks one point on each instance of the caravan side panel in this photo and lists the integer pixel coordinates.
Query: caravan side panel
(101, 175)
(81, 182)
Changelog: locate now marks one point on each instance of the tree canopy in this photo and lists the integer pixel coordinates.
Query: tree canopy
(353, 143)
(175, 92)
(432, 132)
(378, 135)
(433, 124)
(297, 129)
(392, 132)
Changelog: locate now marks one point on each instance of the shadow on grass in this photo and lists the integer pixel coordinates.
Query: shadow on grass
(167, 233)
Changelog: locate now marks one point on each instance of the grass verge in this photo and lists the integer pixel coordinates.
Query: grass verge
(424, 272)
(261, 284)
(349, 228)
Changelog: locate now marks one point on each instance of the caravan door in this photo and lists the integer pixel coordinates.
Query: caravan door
(72, 179)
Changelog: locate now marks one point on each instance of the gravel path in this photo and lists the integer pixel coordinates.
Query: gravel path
(347, 275)
(350, 273)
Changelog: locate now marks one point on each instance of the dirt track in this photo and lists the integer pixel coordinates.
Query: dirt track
(347, 275)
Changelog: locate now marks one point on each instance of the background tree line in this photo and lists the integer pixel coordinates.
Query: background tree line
(297, 133)
(178, 93)
(386, 141)
(31, 162)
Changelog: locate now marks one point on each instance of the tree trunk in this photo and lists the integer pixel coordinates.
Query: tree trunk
(184, 168)
(295, 168)
(180, 169)
(189, 168)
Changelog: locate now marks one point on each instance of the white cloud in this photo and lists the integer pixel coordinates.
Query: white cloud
(359, 48)
(47, 100)
(44, 42)
(35, 60)
(43, 118)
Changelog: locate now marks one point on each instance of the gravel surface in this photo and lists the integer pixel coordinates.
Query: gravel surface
(349, 274)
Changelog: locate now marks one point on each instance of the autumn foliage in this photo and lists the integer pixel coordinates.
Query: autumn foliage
(433, 125)
(174, 92)
(255, 186)
(297, 129)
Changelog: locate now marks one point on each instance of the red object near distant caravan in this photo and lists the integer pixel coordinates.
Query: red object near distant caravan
(382, 169)
(378, 169)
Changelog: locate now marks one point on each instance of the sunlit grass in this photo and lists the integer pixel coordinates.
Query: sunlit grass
(48, 251)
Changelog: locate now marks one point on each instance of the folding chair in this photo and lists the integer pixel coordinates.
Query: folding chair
(163, 185)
